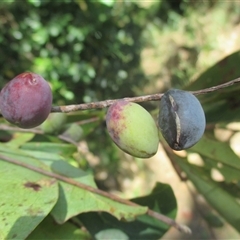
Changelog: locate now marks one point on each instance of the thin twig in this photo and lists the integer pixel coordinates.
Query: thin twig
(215, 88)
(152, 97)
(146, 98)
(104, 104)
(17, 129)
(180, 227)
(160, 217)
(36, 131)
(39, 131)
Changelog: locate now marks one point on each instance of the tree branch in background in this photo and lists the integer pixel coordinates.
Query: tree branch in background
(146, 98)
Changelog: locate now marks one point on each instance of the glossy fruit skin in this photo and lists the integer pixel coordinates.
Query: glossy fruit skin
(181, 119)
(26, 100)
(132, 128)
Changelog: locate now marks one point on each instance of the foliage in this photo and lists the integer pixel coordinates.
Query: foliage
(90, 50)
(83, 46)
(36, 196)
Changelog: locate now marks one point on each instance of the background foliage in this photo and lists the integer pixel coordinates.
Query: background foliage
(96, 50)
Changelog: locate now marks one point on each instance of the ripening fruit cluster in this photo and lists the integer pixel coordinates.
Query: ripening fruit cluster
(26, 101)
(181, 121)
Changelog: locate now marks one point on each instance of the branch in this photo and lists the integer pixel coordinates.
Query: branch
(39, 131)
(216, 88)
(152, 97)
(146, 98)
(158, 216)
(104, 104)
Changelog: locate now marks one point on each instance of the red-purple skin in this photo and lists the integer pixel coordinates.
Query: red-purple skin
(132, 128)
(26, 100)
(114, 115)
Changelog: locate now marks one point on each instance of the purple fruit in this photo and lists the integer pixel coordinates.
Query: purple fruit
(26, 100)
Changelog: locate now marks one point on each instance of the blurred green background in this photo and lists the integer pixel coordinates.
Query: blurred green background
(94, 50)
(97, 50)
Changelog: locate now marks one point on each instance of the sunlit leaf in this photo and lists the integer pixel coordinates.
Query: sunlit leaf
(221, 155)
(221, 200)
(111, 233)
(64, 149)
(161, 200)
(27, 197)
(19, 139)
(74, 200)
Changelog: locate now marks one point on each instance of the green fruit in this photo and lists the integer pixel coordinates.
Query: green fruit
(54, 123)
(132, 128)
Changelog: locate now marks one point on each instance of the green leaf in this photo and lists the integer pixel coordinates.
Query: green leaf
(161, 200)
(27, 197)
(54, 123)
(73, 132)
(49, 229)
(87, 120)
(74, 200)
(111, 234)
(228, 98)
(221, 155)
(221, 200)
(223, 71)
(19, 139)
(213, 220)
(85, 116)
(64, 149)
(227, 102)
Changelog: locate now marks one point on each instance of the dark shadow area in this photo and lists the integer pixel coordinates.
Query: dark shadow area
(23, 227)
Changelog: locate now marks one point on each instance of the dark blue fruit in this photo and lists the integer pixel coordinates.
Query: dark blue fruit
(181, 119)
